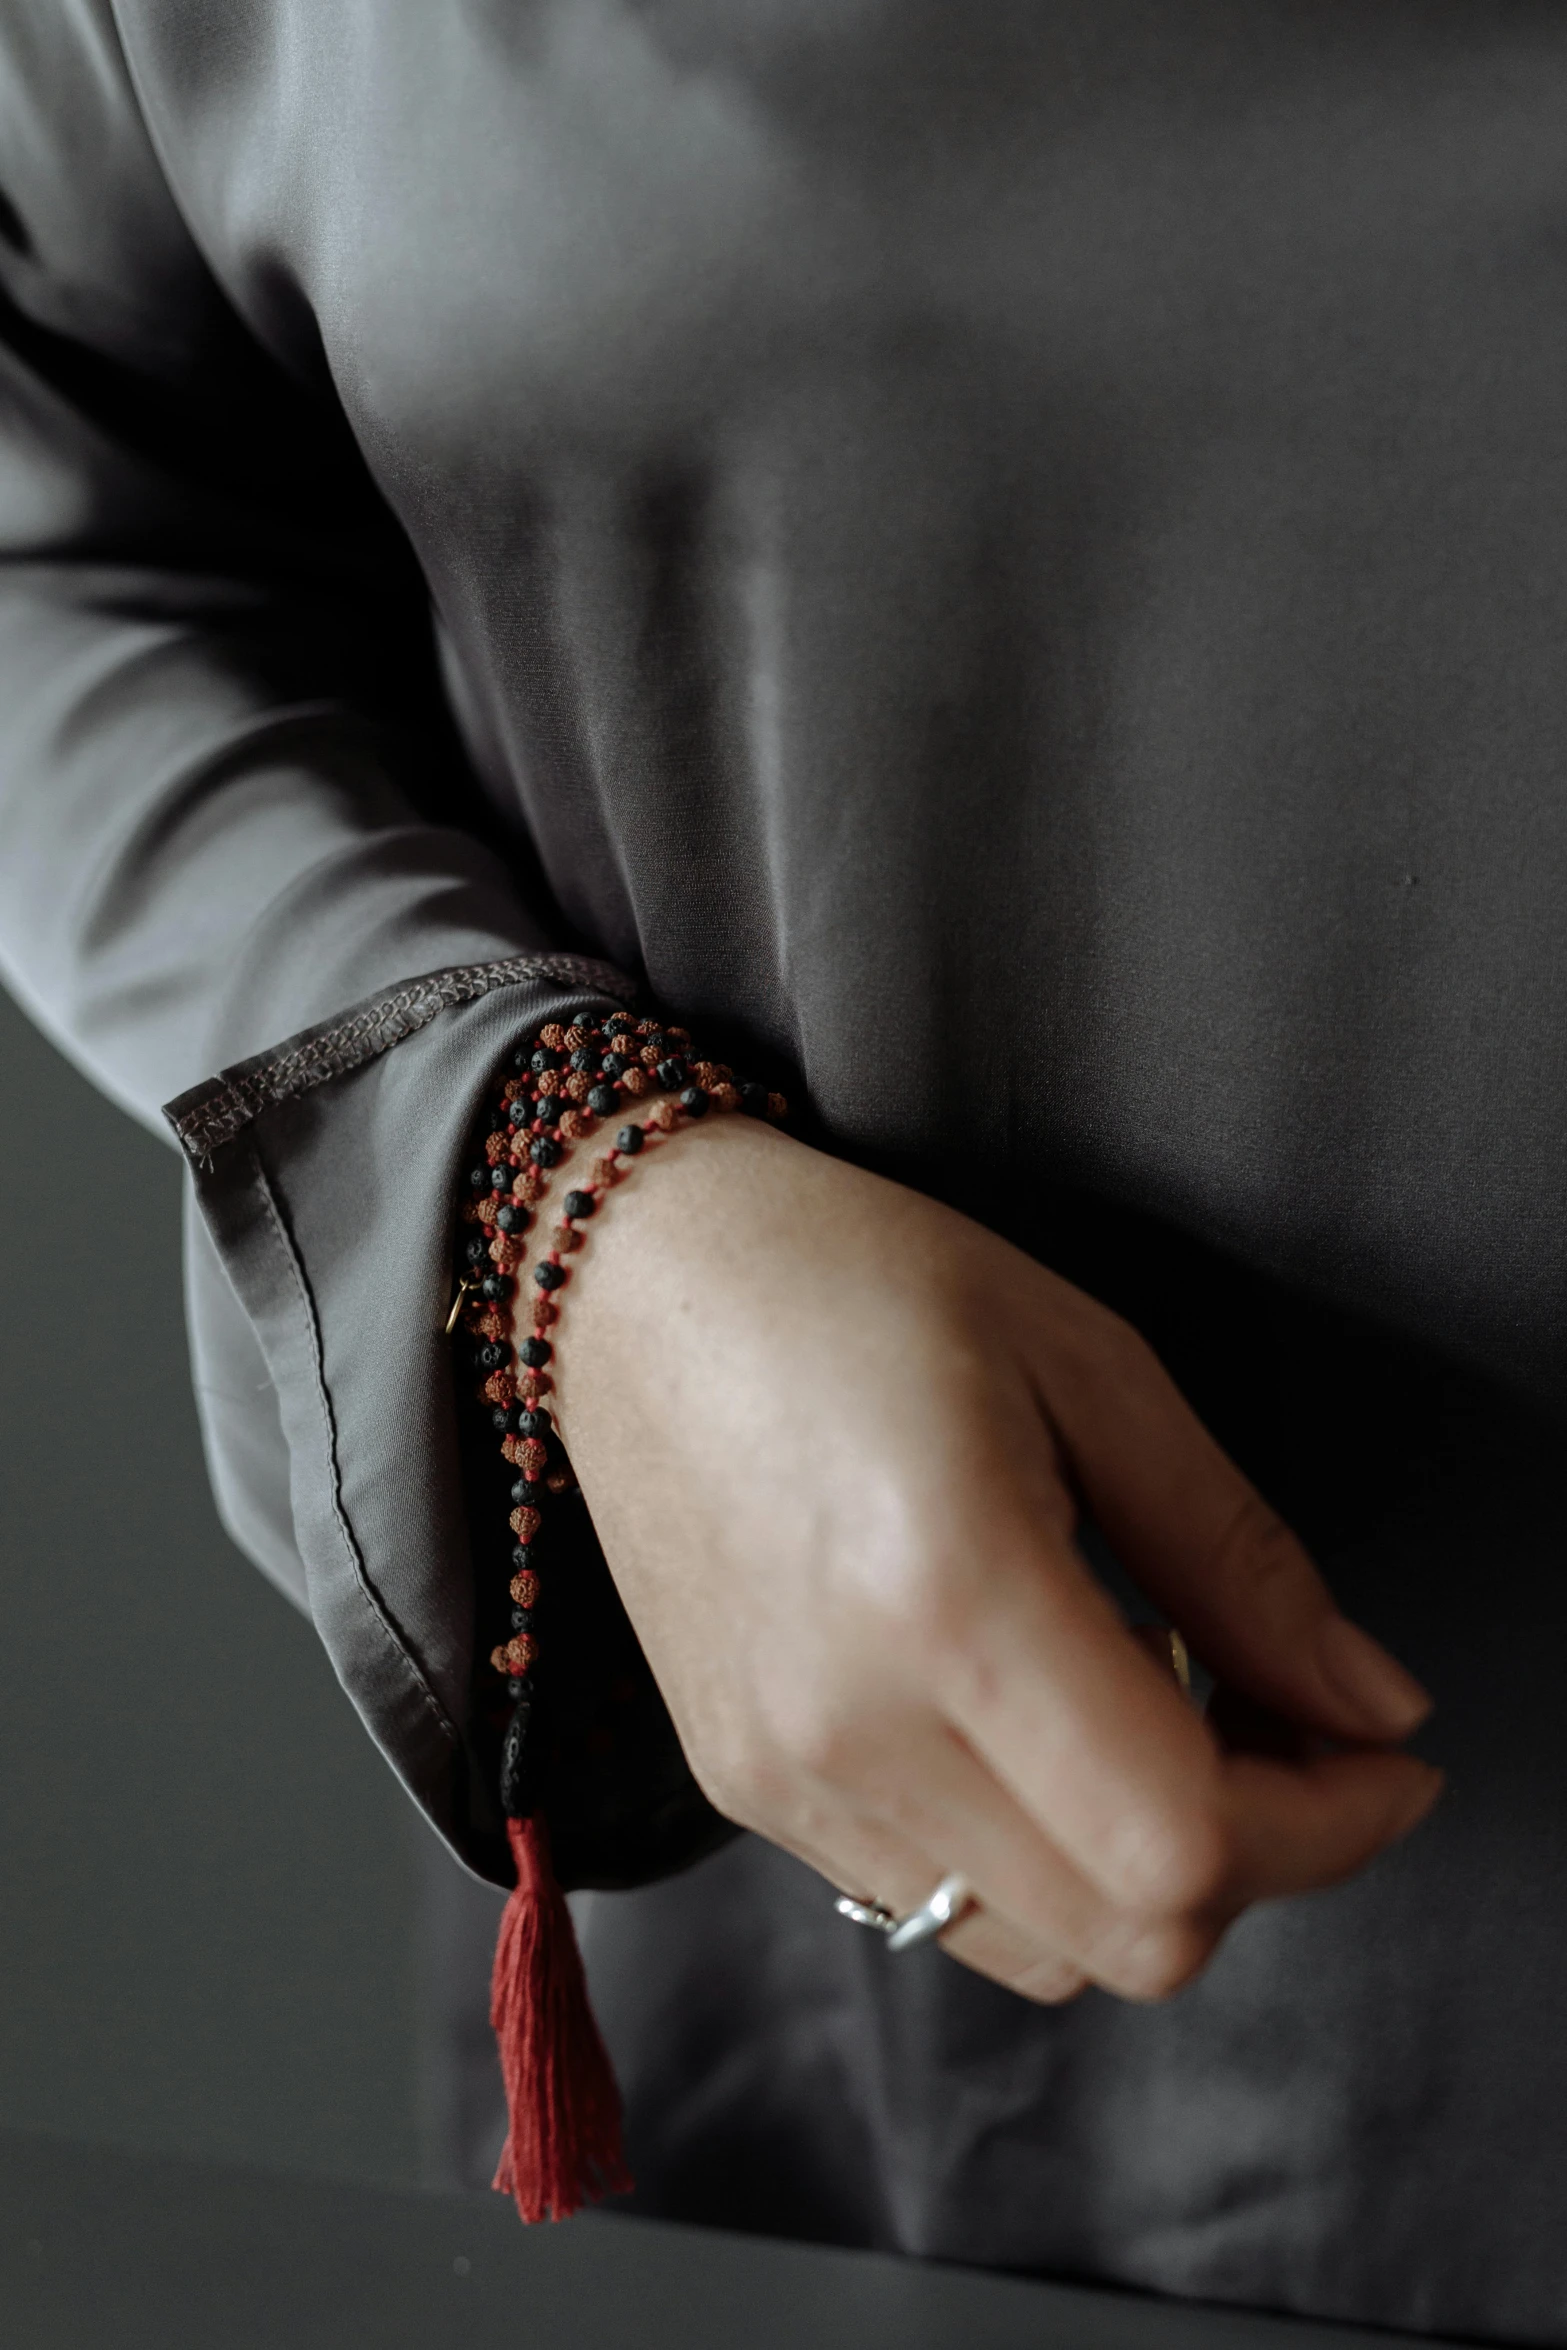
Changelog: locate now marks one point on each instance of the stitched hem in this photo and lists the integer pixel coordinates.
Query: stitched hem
(379, 1612)
(222, 1107)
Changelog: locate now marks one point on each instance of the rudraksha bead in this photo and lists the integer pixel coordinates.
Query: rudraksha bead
(536, 1120)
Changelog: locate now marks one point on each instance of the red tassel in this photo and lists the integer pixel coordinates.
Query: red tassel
(563, 2136)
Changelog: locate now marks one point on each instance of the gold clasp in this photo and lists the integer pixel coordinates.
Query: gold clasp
(465, 1289)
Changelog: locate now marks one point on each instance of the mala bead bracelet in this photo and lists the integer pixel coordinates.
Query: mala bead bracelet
(565, 1083)
(563, 2140)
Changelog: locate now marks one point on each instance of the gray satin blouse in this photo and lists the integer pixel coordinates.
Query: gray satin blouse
(1042, 523)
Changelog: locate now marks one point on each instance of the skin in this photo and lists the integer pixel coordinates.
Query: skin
(833, 1437)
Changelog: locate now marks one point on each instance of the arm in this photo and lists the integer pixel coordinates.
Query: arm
(222, 753)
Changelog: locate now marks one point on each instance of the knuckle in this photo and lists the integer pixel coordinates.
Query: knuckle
(816, 1739)
(1257, 1548)
(1123, 1349)
(742, 1776)
(920, 1601)
(726, 1795)
(730, 1787)
(1173, 1867)
(1049, 1982)
(1156, 1964)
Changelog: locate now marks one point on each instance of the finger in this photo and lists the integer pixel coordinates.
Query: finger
(1122, 1777)
(875, 1864)
(1299, 1825)
(951, 1807)
(1089, 1736)
(1206, 1547)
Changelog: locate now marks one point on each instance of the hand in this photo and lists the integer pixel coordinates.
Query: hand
(833, 1437)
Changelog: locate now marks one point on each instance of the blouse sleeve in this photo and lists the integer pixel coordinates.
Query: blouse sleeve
(243, 873)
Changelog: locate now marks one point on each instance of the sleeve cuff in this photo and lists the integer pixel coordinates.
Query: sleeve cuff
(326, 1174)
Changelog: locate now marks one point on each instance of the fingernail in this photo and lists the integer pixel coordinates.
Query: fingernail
(1388, 1700)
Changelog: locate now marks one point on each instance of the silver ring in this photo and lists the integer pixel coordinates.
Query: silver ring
(945, 1906)
(865, 1913)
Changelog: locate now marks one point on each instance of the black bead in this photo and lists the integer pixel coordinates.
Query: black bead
(477, 1248)
(500, 1420)
(513, 1217)
(495, 1286)
(544, 1059)
(584, 1059)
(577, 1206)
(603, 1101)
(549, 1110)
(524, 1554)
(500, 1179)
(616, 1064)
(519, 1112)
(548, 1276)
(544, 1151)
(630, 1139)
(672, 1074)
(479, 1179)
(753, 1100)
(616, 1021)
(492, 1358)
(519, 1059)
(533, 1423)
(528, 1493)
(535, 1352)
(522, 1619)
(694, 1102)
(516, 1775)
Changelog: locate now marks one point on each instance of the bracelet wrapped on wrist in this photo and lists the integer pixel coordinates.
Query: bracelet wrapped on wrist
(639, 1082)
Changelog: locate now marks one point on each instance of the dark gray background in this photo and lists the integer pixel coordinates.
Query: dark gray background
(208, 1879)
